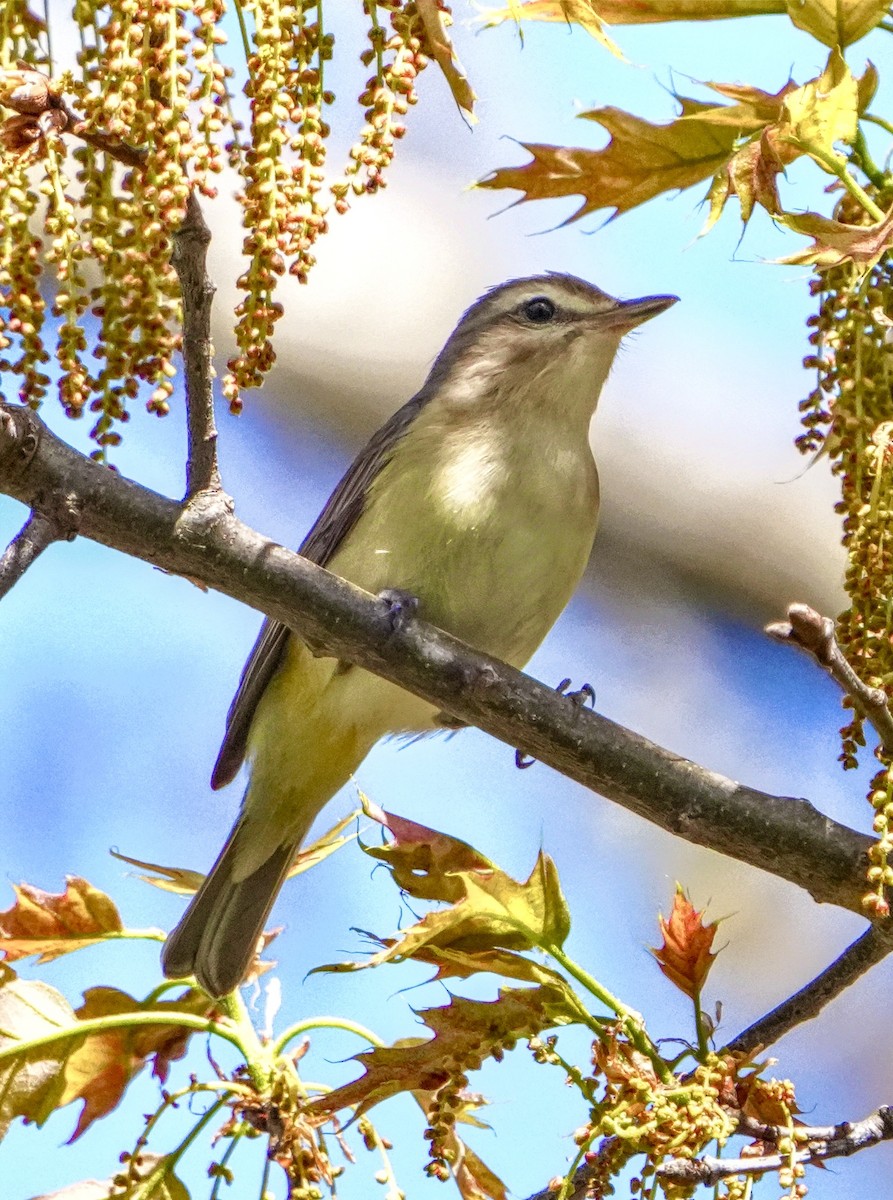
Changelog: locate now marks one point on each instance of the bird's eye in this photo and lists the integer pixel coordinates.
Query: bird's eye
(539, 310)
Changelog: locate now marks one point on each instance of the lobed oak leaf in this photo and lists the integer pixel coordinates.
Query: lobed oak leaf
(492, 912)
(99, 1067)
(425, 864)
(51, 924)
(835, 242)
(465, 1034)
(441, 49)
(751, 174)
(823, 111)
(837, 22)
(31, 1076)
(686, 955)
(641, 161)
(752, 109)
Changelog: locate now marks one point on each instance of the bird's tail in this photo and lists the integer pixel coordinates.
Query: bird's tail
(217, 936)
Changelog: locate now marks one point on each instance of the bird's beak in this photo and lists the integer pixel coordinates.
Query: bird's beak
(630, 313)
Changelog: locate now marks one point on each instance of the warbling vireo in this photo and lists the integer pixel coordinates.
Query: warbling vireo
(479, 497)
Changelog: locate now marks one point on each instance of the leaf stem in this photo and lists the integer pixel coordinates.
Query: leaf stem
(258, 1058)
(308, 1023)
(836, 165)
(121, 1021)
(866, 162)
(886, 125)
(224, 1159)
(703, 1045)
(633, 1021)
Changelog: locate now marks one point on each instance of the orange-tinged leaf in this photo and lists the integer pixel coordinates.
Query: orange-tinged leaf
(99, 1068)
(751, 174)
(837, 22)
(441, 47)
(466, 1033)
(31, 1082)
(641, 161)
(51, 924)
(426, 864)
(752, 109)
(493, 912)
(686, 955)
(632, 12)
(836, 242)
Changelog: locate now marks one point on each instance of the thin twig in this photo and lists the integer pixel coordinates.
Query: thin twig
(816, 635)
(36, 534)
(866, 952)
(190, 251)
(821, 1143)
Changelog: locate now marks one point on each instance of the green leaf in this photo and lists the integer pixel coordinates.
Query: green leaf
(492, 912)
(824, 111)
(32, 1082)
(95, 1067)
(837, 22)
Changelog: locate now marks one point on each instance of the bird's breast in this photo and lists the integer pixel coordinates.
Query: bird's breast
(491, 532)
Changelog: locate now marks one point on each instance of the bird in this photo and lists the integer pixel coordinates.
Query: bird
(478, 498)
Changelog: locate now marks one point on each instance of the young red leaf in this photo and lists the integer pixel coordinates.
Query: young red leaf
(425, 864)
(686, 955)
(51, 924)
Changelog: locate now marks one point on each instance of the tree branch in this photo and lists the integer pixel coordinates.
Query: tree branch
(36, 534)
(190, 251)
(784, 836)
(815, 634)
(822, 1142)
(866, 952)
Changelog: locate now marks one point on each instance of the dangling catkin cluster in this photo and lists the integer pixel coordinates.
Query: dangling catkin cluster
(849, 414)
(97, 163)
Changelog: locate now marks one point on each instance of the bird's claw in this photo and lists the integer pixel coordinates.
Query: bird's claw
(402, 607)
(582, 696)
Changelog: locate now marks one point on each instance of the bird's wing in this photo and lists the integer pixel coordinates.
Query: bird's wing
(332, 526)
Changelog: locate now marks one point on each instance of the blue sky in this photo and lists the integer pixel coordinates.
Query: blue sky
(118, 677)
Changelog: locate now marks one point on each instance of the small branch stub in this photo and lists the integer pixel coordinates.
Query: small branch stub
(815, 634)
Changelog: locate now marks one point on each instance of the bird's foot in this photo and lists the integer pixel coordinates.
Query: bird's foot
(402, 607)
(582, 696)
